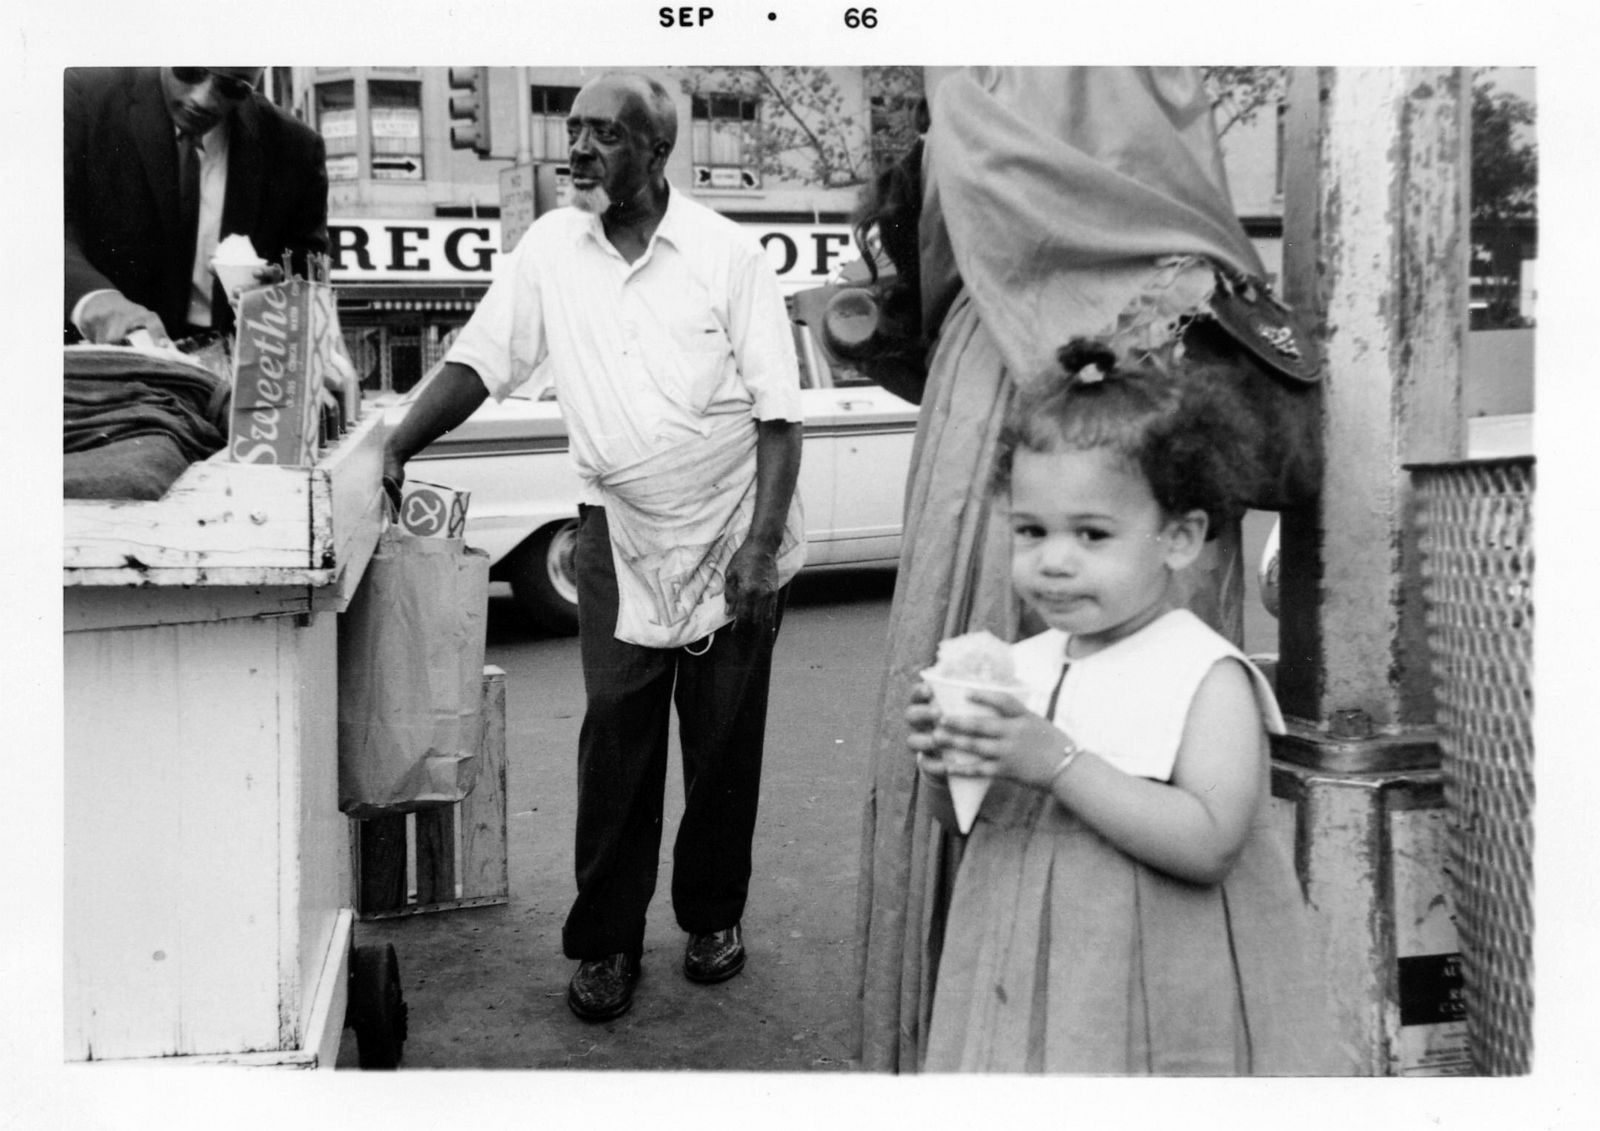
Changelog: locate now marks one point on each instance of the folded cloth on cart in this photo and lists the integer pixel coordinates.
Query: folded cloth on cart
(132, 420)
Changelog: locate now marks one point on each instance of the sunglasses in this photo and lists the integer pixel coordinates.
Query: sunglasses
(230, 88)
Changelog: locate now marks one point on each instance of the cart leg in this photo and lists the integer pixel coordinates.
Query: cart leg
(377, 1009)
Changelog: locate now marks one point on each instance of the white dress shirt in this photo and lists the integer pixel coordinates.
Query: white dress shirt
(213, 152)
(642, 354)
(662, 368)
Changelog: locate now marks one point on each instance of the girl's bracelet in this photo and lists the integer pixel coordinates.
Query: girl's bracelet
(1069, 757)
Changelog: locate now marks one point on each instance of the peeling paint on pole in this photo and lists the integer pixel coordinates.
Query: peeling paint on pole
(1388, 230)
(1375, 236)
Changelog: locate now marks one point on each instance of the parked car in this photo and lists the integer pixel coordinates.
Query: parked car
(513, 459)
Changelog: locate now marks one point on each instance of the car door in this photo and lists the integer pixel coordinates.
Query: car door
(816, 454)
(862, 435)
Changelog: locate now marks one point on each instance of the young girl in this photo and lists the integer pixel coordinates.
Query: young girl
(1121, 906)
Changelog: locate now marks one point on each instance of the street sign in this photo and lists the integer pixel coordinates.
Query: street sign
(396, 169)
(343, 167)
(517, 210)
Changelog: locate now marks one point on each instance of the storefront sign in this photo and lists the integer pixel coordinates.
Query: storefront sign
(516, 204)
(466, 250)
(413, 251)
(806, 255)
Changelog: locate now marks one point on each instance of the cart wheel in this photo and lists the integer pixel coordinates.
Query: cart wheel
(377, 1010)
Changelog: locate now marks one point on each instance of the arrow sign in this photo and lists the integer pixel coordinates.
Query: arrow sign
(407, 166)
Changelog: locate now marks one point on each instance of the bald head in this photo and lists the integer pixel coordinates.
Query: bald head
(648, 107)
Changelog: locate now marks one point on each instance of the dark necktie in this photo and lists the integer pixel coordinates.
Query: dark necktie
(188, 199)
(189, 188)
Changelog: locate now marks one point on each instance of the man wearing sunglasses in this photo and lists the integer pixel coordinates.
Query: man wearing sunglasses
(161, 164)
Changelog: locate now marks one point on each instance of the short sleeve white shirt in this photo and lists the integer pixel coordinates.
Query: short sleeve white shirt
(642, 355)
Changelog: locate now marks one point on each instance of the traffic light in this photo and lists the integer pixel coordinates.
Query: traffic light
(469, 109)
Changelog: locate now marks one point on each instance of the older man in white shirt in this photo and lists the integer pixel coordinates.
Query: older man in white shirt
(675, 367)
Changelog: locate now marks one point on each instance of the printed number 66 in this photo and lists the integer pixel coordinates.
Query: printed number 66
(864, 17)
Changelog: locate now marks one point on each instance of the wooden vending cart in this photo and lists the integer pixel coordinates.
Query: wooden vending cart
(207, 865)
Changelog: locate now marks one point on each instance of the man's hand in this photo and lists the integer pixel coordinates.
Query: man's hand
(108, 318)
(444, 402)
(394, 474)
(751, 588)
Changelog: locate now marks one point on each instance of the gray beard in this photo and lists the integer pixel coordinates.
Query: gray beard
(595, 200)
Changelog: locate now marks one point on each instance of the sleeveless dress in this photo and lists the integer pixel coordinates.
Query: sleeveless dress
(1062, 954)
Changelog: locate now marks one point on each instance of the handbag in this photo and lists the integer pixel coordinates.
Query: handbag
(411, 652)
(1277, 370)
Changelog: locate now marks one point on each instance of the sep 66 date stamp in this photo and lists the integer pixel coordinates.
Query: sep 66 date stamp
(688, 15)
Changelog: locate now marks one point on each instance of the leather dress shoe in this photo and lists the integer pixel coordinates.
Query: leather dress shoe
(714, 957)
(602, 988)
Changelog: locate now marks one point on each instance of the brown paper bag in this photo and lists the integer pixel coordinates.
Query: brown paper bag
(411, 648)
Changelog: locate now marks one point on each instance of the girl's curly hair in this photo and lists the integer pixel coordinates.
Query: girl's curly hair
(1185, 429)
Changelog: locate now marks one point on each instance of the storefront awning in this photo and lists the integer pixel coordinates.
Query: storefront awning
(420, 297)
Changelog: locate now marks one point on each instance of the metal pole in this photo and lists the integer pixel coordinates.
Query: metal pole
(1375, 249)
(524, 118)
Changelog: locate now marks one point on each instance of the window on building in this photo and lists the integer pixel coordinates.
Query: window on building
(396, 121)
(551, 105)
(336, 122)
(724, 129)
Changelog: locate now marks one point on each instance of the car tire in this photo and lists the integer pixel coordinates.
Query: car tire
(544, 580)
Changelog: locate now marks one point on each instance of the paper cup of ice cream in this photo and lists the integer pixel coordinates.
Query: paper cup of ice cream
(977, 661)
(235, 264)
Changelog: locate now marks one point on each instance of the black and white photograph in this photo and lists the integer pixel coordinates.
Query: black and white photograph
(632, 582)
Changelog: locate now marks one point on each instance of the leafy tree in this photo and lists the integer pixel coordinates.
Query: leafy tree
(1238, 94)
(1505, 186)
(1505, 164)
(808, 130)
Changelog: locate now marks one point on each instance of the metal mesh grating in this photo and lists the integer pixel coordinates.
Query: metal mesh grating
(1476, 522)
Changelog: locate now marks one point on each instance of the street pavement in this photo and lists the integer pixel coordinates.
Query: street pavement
(486, 987)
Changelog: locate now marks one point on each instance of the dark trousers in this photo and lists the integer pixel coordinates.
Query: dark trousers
(721, 696)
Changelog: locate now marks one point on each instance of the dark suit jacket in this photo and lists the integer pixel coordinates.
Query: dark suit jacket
(122, 191)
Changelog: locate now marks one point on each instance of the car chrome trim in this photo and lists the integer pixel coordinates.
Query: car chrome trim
(523, 446)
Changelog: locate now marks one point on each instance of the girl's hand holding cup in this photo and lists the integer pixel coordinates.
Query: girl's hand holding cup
(1013, 742)
(921, 719)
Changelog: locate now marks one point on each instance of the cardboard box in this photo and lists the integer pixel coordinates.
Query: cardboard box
(432, 511)
(282, 355)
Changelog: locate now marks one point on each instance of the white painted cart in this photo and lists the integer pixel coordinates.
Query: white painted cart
(208, 908)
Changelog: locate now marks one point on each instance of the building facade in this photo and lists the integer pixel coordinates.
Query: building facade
(416, 224)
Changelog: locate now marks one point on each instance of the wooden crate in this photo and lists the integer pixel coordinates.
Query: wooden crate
(225, 524)
(445, 858)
